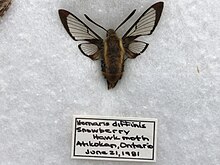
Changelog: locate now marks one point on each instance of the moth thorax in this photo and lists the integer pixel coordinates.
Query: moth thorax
(110, 32)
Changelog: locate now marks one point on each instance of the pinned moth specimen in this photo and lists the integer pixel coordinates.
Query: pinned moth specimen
(112, 51)
(4, 5)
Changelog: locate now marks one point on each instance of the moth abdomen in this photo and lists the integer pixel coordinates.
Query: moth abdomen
(113, 60)
(112, 78)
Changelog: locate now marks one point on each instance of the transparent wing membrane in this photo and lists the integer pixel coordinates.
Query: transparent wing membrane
(137, 47)
(78, 30)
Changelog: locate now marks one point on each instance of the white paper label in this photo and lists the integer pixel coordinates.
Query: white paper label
(113, 138)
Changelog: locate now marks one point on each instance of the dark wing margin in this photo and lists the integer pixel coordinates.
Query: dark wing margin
(79, 31)
(145, 25)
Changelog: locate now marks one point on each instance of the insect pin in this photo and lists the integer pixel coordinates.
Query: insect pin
(4, 5)
(112, 51)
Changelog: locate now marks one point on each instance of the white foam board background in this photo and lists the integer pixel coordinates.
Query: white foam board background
(44, 80)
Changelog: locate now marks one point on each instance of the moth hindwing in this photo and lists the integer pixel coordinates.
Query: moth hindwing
(112, 51)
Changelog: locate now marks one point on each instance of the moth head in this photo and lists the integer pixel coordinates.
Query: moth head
(110, 32)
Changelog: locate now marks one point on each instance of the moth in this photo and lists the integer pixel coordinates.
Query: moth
(4, 5)
(112, 51)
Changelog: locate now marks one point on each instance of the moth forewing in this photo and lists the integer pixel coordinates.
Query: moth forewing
(113, 50)
(147, 22)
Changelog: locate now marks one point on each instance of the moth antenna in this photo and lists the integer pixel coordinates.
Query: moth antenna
(128, 17)
(87, 17)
